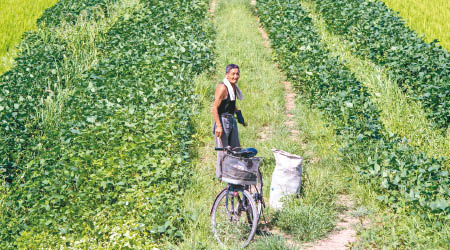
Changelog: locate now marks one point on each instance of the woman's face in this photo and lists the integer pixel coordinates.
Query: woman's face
(233, 76)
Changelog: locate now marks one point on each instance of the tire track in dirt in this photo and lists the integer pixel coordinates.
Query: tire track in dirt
(344, 233)
(212, 7)
(290, 95)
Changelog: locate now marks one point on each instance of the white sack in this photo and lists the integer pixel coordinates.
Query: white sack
(286, 178)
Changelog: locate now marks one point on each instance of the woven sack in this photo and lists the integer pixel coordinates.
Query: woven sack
(286, 177)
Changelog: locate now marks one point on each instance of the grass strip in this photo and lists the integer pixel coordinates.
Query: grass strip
(375, 32)
(110, 172)
(397, 170)
(263, 108)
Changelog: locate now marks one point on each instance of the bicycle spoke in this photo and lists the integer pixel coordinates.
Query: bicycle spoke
(233, 222)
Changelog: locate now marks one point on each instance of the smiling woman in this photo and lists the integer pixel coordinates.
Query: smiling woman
(16, 17)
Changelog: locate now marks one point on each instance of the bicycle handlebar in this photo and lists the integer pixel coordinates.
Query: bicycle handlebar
(227, 148)
(238, 151)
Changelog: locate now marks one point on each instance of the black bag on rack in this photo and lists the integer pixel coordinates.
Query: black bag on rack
(239, 170)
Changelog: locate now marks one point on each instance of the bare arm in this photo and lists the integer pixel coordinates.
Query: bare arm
(221, 94)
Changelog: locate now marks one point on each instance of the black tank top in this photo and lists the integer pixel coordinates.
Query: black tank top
(227, 106)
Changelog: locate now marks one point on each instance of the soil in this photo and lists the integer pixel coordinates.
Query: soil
(212, 7)
(265, 133)
(290, 105)
(290, 95)
(344, 233)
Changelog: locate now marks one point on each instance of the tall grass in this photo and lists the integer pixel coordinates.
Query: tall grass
(399, 114)
(430, 18)
(272, 243)
(388, 229)
(82, 39)
(238, 41)
(16, 17)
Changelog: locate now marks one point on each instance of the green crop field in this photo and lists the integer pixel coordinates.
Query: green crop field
(330, 86)
(96, 124)
(421, 70)
(430, 18)
(16, 17)
(105, 121)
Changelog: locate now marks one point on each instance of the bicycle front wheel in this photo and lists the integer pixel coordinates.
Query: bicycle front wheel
(234, 218)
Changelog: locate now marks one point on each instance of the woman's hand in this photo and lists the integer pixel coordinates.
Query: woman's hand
(219, 132)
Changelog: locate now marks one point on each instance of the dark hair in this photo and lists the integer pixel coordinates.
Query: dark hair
(230, 67)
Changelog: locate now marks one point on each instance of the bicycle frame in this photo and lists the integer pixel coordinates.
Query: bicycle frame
(241, 203)
(230, 187)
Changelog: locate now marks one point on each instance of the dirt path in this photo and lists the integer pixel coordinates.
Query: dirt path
(344, 233)
(212, 7)
(290, 95)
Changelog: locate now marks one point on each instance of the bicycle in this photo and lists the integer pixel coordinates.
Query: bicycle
(237, 208)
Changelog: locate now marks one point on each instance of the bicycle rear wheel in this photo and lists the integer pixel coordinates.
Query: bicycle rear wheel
(257, 193)
(234, 224)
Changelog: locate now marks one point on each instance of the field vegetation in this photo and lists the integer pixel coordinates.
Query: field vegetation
(377, 33)
(105, 123)
(96, 125)
(398, 113)
(263, 108)
(17, 17)
(330, 86)
(429, 18)
(392, 167)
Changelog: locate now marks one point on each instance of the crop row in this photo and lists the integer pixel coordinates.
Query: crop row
(69, 10)
(111, 170)
(376, 32)
(39, 76)
(403, 176)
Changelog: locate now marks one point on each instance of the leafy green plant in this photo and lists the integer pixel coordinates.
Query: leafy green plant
(69, 10)
(376, 32)
(111, 170)
(404, 177)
